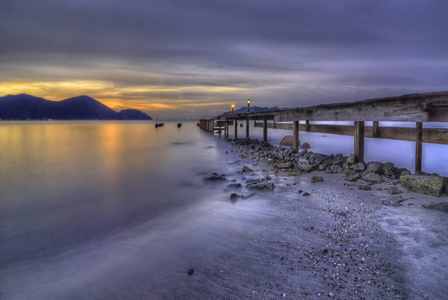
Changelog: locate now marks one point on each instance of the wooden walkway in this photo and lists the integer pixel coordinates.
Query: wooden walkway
(416, 108)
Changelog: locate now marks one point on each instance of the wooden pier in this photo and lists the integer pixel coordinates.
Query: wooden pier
(416, 108)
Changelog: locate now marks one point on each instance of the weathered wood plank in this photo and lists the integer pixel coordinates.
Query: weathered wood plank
(359, 140)
(236, 128)
(265, 130)
(411, 108)
(418, 146)
(376, 127)
(247, 129)
(430, 135)
(296, 140)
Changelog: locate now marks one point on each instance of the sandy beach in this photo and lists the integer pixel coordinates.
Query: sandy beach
(338, 242)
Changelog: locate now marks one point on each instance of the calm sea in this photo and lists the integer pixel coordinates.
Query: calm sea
(87, 209)
(108, 210)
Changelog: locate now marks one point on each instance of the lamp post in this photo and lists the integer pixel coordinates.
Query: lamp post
(248, 105)
(247, 120)
(233, 109)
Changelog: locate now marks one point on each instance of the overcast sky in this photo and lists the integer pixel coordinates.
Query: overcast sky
(187, 59)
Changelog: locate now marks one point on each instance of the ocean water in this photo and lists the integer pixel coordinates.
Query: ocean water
(95, 210)
(400, 153)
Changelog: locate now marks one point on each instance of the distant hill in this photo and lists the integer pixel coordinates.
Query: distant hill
(23, 107)
(243, 110)
(133, 114)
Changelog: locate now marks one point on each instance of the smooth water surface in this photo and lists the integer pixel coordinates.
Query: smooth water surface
(87, 207)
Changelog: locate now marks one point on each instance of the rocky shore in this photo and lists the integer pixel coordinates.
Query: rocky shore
(339, 229)
(364, 175)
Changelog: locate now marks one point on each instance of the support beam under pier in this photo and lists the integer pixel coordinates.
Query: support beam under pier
(359, 140)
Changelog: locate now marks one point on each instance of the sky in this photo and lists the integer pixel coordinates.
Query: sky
(194, 58)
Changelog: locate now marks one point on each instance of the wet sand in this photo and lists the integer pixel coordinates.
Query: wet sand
(336, 243)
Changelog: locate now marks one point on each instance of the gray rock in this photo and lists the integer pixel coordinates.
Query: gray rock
(394, 201)
(364, 187)
(394, 190)
(285, 165)
(359, 167)
(215, 178)
(351, 160)
(336, 168)
(235, 185)
(262, 186)
(315, 179)
(439, 206)
(305, 166)
(353, 177)
(388, 169)
(372, 177)
(247, 169)
(254, 180)
(305, 146)
(375, 167)
(424, 184)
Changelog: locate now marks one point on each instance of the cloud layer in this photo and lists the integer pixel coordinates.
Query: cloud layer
(182, 56)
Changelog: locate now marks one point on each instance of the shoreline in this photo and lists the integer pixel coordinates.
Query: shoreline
(326, 240)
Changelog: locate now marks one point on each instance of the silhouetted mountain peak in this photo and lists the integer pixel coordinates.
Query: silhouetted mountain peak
(24, 106)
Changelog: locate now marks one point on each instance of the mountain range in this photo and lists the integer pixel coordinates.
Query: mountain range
(24, 107)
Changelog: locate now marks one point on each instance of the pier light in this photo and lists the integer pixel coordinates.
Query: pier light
(233, 109)
(248, 105)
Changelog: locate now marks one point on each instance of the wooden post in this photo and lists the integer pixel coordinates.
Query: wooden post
(307, 125)
(359, 140)
(265, 130)
(226, 133)
(247, 129)
(296, 140)
(236, 129)
(418, 146)
(376, 129)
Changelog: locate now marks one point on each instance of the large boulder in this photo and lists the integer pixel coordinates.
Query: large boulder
(359, 167)
(424, 184)
(261, 186)
(372, 177)
(287, 141)
(375, 167)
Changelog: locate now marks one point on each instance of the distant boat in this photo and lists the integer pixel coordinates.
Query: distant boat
(179, 125)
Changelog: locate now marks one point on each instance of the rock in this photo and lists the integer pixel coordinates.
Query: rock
(375, 167)
(306, 194)
(215, 178)
(235, 196)
(331, 295)
(403, 172)
(372, 177)
(388, 169)
(254, 180)
(305, 146)
(335, 169)
(424, 184)
(247, 169)
(364, 187)
(235, 185)
(261, 186)
(394, 190)
(351, 160)
(395, 202)
(359, 167)
(315, 179)
(353, 177)
(443, 206)
(305, 166)
(285, 165)
(190, 272)
(287, 141)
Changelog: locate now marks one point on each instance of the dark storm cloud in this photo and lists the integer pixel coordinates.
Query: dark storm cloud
(295, 45)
